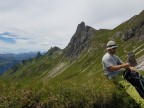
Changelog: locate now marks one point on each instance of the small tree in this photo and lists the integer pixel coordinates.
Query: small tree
(38, 55)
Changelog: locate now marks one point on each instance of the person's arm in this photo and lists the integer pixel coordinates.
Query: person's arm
(118, 67)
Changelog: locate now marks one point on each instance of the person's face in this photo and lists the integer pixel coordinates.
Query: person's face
(113, 50)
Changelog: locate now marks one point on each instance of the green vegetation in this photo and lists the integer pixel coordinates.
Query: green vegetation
(54, 81)
(68, 94)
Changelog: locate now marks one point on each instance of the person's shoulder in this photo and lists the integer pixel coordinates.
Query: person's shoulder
(106, 56)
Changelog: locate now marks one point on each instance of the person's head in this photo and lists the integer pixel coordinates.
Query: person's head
(111, 47)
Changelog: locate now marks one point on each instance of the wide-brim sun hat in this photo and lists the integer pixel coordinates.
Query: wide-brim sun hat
(111, 45)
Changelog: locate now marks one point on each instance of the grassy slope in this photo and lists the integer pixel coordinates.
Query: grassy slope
(81, 80)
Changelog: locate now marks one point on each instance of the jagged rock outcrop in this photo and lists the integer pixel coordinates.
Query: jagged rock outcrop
(79, 41)
(54, 50)
(137, 32)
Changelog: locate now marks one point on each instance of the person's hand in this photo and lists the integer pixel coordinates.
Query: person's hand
(133, 69)
(129, 66)
(126, 65)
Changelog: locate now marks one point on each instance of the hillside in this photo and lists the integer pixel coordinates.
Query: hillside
(8, 60)
(73, 77)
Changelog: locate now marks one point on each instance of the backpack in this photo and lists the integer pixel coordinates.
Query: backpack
(136, 79)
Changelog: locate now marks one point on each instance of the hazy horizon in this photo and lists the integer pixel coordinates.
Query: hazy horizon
(38, 25)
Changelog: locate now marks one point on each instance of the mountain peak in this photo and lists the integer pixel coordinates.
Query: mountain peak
(80, 40)
(54, 50)
(81, 26)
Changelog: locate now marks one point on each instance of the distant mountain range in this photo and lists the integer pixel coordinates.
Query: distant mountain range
(8, 60)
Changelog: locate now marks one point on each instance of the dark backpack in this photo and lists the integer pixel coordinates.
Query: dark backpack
(136, 79)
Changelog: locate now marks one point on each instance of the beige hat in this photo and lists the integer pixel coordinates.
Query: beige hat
(111, 44)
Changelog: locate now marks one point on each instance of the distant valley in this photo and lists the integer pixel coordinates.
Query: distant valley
(8, 60)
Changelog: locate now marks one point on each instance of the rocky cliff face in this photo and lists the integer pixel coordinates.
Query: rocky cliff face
(79, 41)
(137, 32)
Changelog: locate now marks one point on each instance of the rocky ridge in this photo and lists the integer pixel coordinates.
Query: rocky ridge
(136, 32)
(79, 41)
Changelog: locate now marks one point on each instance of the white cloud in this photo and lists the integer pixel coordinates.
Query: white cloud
(46, 23)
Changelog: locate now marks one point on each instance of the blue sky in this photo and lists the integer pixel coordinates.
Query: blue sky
(8, 40)
(37, 25)
(5, 38)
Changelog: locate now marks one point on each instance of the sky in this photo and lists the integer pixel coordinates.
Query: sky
(38, 25)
